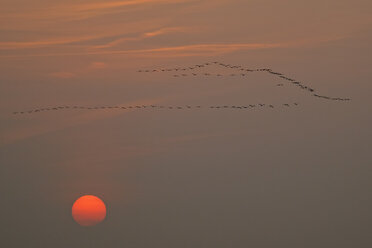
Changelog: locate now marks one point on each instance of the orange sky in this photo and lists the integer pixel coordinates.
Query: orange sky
(280, 177)
(65, 27)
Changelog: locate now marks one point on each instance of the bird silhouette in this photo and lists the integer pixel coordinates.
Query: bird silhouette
(290, 80)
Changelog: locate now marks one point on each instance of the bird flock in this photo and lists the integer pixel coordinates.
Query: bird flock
(190, 71)
(242, 73)
(160, 107)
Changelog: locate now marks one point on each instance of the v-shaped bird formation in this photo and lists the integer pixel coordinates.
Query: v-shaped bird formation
(242, 72)
(190, 72)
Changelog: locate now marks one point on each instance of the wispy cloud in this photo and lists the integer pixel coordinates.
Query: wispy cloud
(115, 4)
(188, 50)
(45, 43)
(79, 11)
(207, 49)
(145, 35)
(98, 65)
(84, 41)
(168, 30)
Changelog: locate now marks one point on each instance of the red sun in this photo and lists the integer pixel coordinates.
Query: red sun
(88, 210)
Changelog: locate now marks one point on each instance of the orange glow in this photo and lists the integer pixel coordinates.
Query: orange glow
(88, 210)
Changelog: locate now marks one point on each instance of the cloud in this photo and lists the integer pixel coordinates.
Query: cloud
(145, 35)
(45, 43)
(98, 65)
(193, 50)
(206, 49)
(13, 45)
(189, 50)
(80, 11)
(116, 4)
(168, 30)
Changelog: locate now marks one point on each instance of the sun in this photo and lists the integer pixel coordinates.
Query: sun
(88, 210)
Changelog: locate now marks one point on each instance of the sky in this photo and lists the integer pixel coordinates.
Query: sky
(277, 167)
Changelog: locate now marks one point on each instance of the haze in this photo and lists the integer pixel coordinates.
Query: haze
(289, 176)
